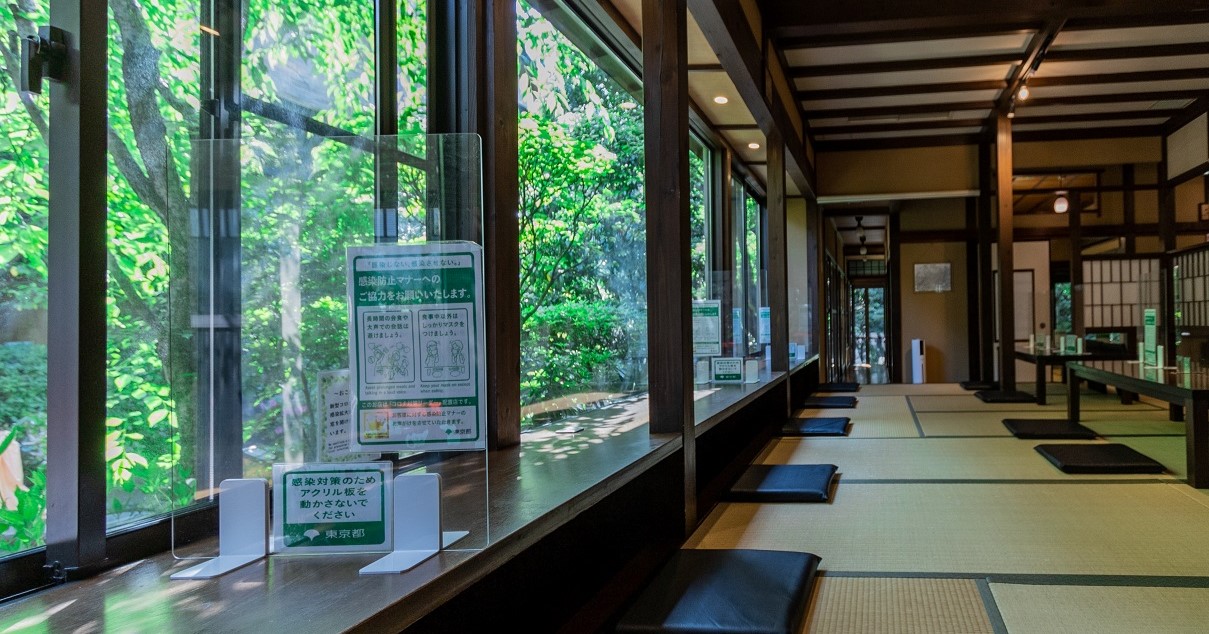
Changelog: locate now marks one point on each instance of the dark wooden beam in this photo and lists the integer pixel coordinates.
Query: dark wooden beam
(705, 68)
(727, 30)
(900, 142)
(947, 124)
(1167, 233)
(1129, 208)
(789, 19)
(1173, 74)
(973, 355)
(904, 89)
(986, 314)
(1127, 52)
(894, 268)
(1075, 225)
(1023, 117)
(1007, 312)
(1022, 109)
(905, 65)
(891, 36)
(777, 259)
(669, 275)
(736, 127)
(498, 112)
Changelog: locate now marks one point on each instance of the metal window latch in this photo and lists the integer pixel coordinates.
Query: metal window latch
(43, 56)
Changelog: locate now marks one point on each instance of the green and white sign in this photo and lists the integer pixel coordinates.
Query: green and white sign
(1150, 338)
(415, 347)
(336, 425)
(707, 328)
(765, 324)
(322, 507)
(726, 370)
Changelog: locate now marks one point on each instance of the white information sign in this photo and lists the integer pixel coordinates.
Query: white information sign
(707, 328)
(321, 508)
(726, 370)
(336, 425)
(765, 324)
(415, 342)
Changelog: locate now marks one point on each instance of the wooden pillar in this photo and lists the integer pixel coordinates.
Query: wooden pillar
(498, 116)
(778, 265)
(973, 303)
(1167, 236)
(670, 345)
(1129, 198)
(1075, 224)
(1003, 177)
(896, 348)
(986, 284)
(724, 247)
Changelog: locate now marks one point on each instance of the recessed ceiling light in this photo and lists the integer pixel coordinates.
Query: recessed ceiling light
(754, 146)
(721, 101)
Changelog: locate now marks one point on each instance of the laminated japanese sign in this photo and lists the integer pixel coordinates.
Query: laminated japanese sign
(416, 346)
(331, 507)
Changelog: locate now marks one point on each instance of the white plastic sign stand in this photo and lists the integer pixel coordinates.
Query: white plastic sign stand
(417, 520)
(751, 371)
(243, 528)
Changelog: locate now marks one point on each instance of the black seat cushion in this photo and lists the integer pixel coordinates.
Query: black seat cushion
(741, 591)
(784, 483)
(1098, 458)
(1048, 428)
(840, 387)
(830, 402)
(837, 426)
(1000, 396)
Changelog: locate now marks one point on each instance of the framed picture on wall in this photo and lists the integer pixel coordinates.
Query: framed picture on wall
(933, 278)
(1203, 211)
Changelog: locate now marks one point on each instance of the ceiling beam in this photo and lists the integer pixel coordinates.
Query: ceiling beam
(1146, 76)
(902, 126)
(1072, 100)
(905, 35)
(908, 89)
(792, 19)
(729, 33)
(1022, 118)
(906, 65)
(1128, 52)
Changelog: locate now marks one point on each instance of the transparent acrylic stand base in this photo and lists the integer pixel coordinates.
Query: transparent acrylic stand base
(243, 524)
(417, 525)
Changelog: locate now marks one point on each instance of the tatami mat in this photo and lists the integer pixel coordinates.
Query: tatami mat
(928, 459)
(1097, 529)
(874, 417)
(1044, 609)
(864, 605)
(1170, 451)
(903, 389)
(1105, 422)
(971, 403)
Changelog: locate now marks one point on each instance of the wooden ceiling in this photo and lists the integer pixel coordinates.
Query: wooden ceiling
(874, 73)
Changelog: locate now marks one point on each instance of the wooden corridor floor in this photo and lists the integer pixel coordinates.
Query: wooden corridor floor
(943, 522)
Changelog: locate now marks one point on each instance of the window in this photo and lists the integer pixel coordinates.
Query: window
(23, 294)
(700, 210)
(582, 229)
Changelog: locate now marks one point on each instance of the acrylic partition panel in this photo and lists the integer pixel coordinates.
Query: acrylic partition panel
(1191, 271)
(263, 349)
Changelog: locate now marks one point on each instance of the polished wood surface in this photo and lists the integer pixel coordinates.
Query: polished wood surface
(1007, 305)
(533, 489)
(1184, 390)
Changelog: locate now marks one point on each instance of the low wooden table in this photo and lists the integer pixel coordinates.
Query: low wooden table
(1189, 390)
(1044, 360)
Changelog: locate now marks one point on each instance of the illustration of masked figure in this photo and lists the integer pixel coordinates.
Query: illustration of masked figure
(432, 360)
(457, 358)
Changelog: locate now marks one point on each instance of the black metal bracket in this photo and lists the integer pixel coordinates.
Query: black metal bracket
(43, 56)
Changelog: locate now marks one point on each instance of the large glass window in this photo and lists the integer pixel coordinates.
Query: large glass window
(24, 202)
(582, 229)
(700, 218)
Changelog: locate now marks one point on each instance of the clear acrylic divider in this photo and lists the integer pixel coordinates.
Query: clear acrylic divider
(261, 338)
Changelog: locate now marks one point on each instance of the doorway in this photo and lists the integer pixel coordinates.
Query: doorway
(869, 335)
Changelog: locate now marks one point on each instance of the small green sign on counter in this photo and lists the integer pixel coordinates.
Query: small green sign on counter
(1150, 339)
(322, 507)
(726, 370)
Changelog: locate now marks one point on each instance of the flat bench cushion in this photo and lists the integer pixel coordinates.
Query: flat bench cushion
(784, 483)
(1000, 396)
(837, 426)
(741, 591)
(1098, 458)
(978, 386)
(830, 402)
(840, 387)
(1048, 428)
